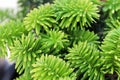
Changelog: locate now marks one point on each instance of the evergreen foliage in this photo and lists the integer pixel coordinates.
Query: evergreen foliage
(43, 17)
(25, 51)
(51, 68)
(9, 32)
(59, 41)
(112, 7)
(55, 41)
(84, 58)
(112, 24)
(84, 35)
(75, 13)
(111, 55)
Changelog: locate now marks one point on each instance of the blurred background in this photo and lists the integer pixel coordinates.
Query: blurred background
(17, 9)
(8, 4)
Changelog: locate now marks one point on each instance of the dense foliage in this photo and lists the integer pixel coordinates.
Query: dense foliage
(66, 40)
